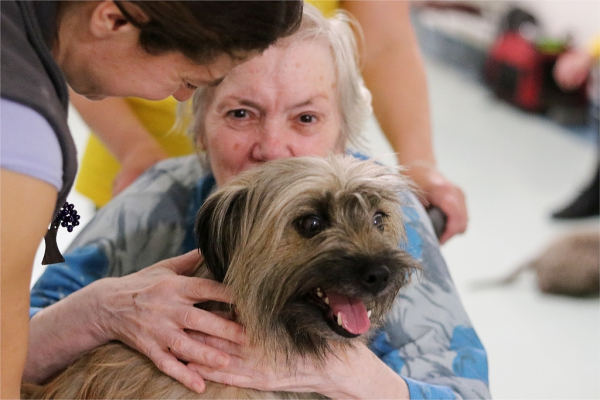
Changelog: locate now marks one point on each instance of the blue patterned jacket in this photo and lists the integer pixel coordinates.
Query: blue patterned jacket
(428, 338)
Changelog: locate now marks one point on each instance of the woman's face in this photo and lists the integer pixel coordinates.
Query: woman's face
(152, 77)
(103, 57)
(281, 104)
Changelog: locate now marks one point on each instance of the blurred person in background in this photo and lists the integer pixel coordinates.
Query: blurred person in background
(573, 69)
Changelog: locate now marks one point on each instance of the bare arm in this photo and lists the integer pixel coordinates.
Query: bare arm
(394, 72)
(27, 205)
(62, 332)
(113, 121)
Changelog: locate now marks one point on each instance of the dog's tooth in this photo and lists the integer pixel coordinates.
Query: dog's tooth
(319, 292)
(369, 314)
(326, 300)
(339, 319)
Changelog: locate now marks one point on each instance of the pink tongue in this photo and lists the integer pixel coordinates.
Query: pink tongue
(353, 312)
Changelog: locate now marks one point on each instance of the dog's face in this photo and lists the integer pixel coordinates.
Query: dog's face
(309, 247)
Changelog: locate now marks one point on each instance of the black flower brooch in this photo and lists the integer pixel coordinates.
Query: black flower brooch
(68, 218)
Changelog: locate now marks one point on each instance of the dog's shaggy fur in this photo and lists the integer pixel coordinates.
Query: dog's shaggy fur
(284, 237)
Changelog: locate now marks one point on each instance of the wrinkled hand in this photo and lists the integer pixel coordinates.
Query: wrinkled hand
(248, 369)
(153, 309)
(135, 163)
(439, 191)
(346, 373)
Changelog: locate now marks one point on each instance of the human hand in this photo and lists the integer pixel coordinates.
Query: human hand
(153, 310)
(135, 162)
(571, 69)
(440, 192)
(249, 369)
(345, 373)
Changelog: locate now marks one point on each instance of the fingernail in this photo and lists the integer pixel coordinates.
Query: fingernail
(198, 387)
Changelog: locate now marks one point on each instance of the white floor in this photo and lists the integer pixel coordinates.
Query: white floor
(515, 169)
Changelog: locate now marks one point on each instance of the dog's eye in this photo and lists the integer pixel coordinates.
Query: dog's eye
(309, 225)
(378, 221)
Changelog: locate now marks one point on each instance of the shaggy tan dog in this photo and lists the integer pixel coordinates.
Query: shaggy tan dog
(309, 247)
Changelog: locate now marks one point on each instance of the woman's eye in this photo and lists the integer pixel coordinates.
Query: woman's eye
(190, 86)
(239, 113)
(378, 221)
(309, 225)
(307, 118)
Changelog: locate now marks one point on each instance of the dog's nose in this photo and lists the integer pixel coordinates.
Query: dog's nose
(375, 278)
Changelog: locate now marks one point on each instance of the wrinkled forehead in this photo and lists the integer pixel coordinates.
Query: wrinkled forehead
(289, 65)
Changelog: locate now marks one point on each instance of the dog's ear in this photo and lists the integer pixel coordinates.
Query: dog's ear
(218, 230)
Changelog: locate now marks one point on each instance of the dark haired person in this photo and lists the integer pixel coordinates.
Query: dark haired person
(151, 50)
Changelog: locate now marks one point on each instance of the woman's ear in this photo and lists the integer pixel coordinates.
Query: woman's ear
(108, 20)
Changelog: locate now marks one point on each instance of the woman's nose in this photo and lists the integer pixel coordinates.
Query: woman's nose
(273, 142)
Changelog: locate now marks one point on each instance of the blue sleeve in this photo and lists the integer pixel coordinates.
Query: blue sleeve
(428, 338)
(143, 225)
(81, 267)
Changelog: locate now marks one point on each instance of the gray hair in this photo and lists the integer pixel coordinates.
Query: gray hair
(354, 97)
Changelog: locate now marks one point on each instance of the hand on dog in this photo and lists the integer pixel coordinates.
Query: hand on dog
(153, 309)
(440, 192)
(346, 373)
(246, 370)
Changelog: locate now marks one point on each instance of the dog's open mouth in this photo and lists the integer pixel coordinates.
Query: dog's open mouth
(347, 316)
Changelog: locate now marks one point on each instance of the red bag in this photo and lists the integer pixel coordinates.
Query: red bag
(514, 69)
(520, 72)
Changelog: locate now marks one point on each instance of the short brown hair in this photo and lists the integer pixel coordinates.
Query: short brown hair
(202, 30)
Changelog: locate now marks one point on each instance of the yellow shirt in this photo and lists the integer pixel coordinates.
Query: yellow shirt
(99, 167)
(594, 48)
(327, 7)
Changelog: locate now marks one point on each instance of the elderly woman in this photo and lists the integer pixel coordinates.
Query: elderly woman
(303, 96)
